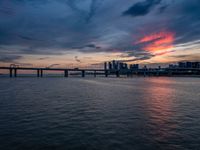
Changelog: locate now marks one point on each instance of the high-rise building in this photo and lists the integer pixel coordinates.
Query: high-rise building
(110, 65)
(182, 65)
(105, 65)
(113, 64)
(116, 65)
(189, 64)
(134, 66)
(196, 65)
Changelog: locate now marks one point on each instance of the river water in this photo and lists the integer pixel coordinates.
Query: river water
(99, 113)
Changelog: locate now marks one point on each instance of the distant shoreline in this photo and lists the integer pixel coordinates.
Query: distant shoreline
(110, 76)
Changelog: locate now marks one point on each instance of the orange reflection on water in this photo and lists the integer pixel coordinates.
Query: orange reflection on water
(159, 106)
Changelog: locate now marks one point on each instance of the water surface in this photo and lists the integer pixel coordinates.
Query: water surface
(99, 113)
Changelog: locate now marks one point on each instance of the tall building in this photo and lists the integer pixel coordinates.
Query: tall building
(113, 64)
(116, 65)
(110, 65)
(189, 64)
(134, 66)
(182, 65)
(105, 65)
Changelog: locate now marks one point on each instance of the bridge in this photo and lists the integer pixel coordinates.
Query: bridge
(13, 71)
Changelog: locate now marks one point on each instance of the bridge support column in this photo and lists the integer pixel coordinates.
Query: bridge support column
(11, 70)
(169, 73)
(83, 73)
(66, 74)
(15, 72)
(95, 73)
(157, 73)
(117, 73)
(145, 73)
(41, 73)
(128, 74)
(106, 73)
(38, 73)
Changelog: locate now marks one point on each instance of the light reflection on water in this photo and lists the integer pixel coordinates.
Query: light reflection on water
(100, 113)
(159, 108)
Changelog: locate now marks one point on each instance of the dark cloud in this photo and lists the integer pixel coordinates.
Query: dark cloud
(26, 38)
(86, 14)
(186, 23)
(162, 8)
(52, 65)
(137, 59)
(57, 27)
(91, 45)
(9, 58)
(141, 8)
(77, 59)
(43, 58)
(93, 8)
(138, 56)
(89, 48)
(191, 57)
(21, 64)
(6, 9)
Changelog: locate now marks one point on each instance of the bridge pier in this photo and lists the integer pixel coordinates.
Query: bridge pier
(170, 73)
(41, 73)
(15, 72)
(106, 73)
(11, 70)
(95, 74)
(83, 73)
(66, 73)
(145, 73)
(117, 73)
(157, 73)
(128, 74)
(38, 73)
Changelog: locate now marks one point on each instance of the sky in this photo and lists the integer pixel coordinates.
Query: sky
(85, 33)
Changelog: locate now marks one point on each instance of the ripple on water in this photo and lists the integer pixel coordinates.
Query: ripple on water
(100, 113)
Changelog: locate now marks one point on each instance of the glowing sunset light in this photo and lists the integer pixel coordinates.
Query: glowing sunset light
(75, 33)
(161, 41)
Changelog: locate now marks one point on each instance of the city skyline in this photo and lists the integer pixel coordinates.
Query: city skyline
(88, 33)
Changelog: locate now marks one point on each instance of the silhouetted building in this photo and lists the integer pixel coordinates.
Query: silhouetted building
(105, 65)
(110, 65)
(189, 64)
(113, 64)
(145, 67)
(172, 66)
(122, 66)
(116, 65)
(134, 66)
(196, 65)
(182, 65)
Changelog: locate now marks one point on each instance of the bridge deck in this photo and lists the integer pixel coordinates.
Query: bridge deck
(50, 69)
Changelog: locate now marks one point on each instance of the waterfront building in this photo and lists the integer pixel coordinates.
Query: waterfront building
(189, 64)
(116, 65)
(105, 65)
(134, 66)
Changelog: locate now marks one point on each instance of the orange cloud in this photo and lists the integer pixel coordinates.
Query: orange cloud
(158, 42)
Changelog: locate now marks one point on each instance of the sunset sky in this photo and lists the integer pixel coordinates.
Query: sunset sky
(86, 33)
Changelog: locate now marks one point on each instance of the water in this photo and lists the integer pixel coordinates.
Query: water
(99, 113)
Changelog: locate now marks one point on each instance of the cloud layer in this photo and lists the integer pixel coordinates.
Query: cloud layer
(142, 8)
(135, 29)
